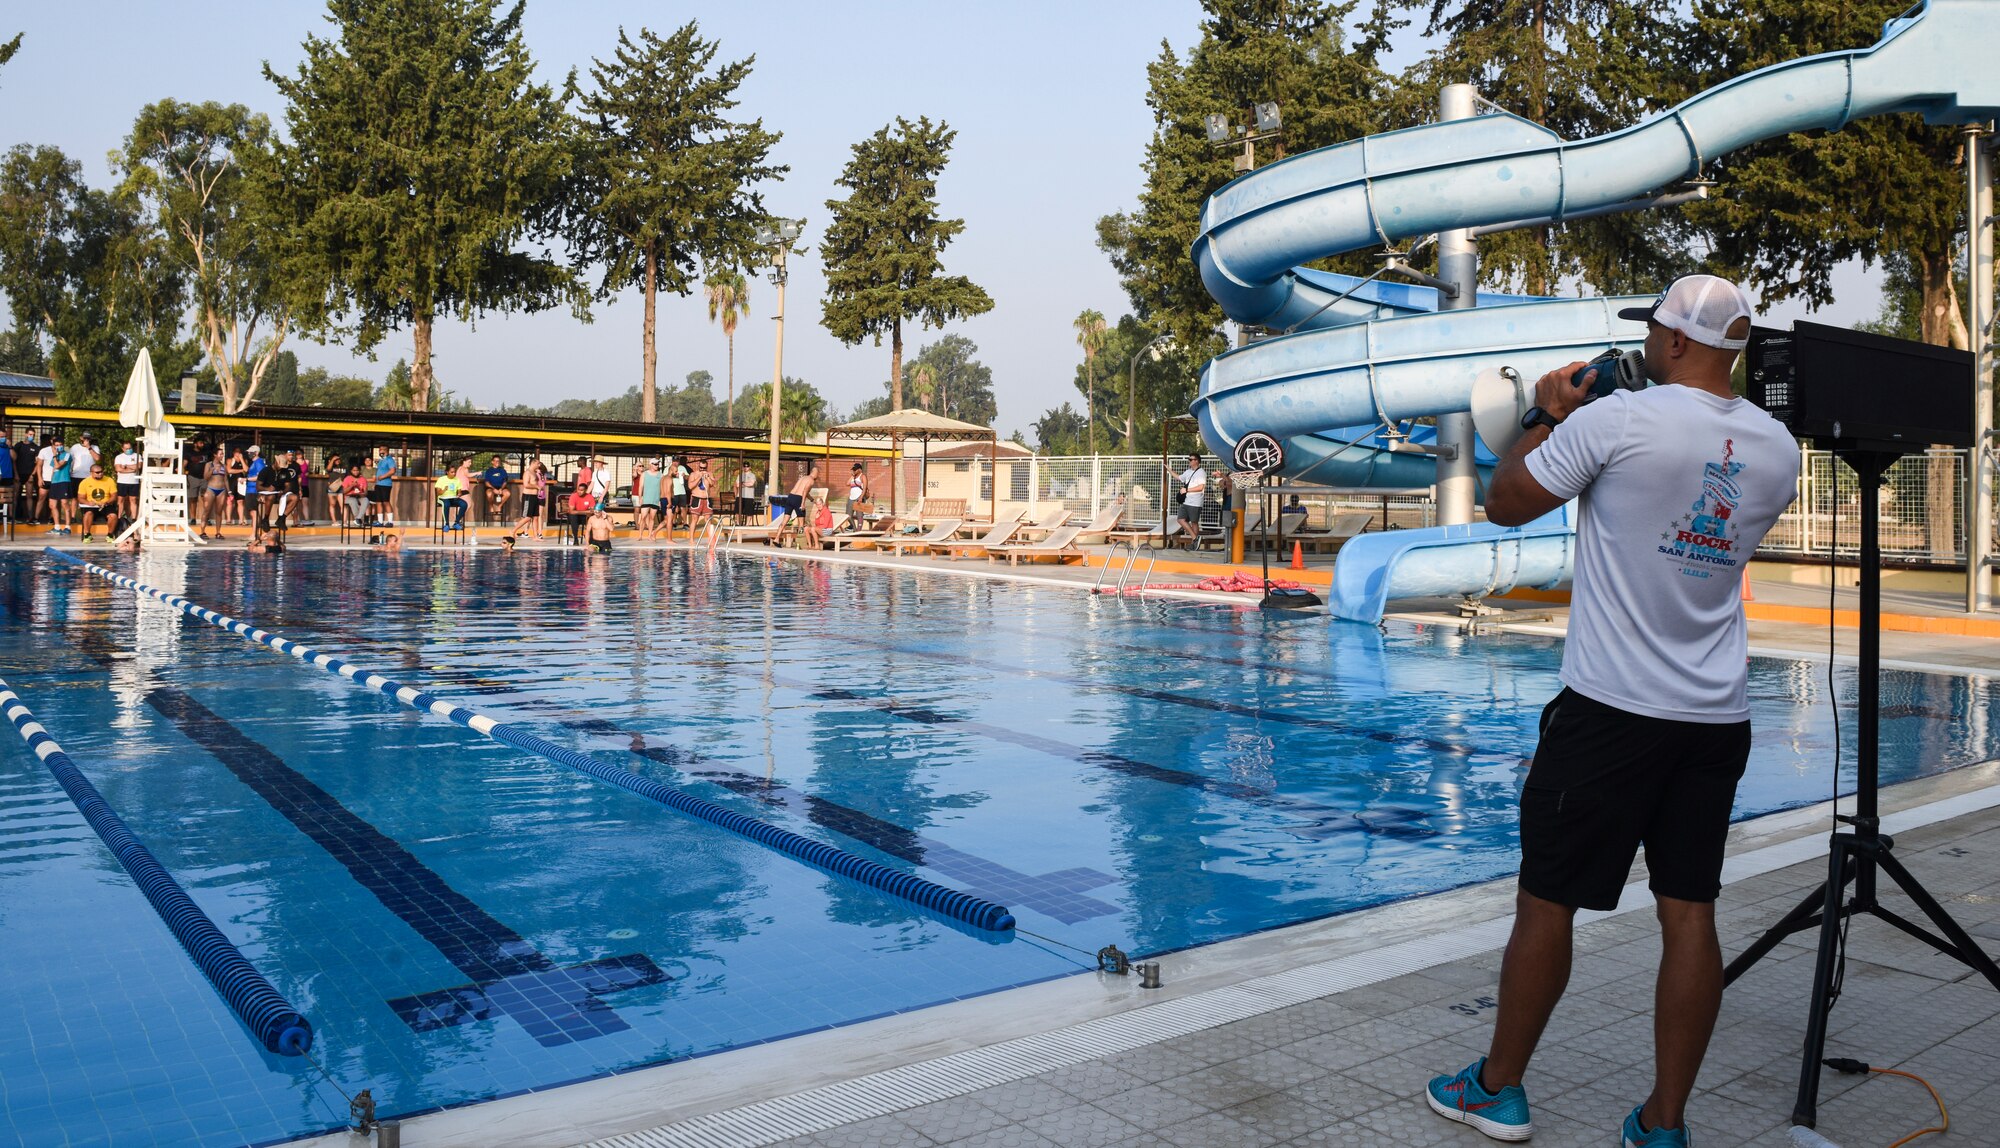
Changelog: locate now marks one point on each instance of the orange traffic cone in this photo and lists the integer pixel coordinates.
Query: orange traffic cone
(1298, 556)
(1747, 595)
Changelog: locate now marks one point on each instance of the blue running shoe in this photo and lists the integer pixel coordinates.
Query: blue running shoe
(1636, 1135)
(1502, 1115)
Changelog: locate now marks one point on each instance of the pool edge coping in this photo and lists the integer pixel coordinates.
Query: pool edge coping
(761, 1094)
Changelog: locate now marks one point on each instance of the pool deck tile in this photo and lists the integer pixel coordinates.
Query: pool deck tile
(1347, 1069)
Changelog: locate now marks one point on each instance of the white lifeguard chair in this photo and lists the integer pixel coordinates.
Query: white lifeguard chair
(163, 491)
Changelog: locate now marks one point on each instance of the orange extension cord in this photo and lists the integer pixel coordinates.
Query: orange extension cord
(1944, 1118)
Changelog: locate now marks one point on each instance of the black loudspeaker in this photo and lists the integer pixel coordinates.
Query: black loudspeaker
(1837, 385)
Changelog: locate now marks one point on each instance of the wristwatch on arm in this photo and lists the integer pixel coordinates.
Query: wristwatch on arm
(1536, 416)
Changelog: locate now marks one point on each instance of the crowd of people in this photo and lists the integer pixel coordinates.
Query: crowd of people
(70, 485)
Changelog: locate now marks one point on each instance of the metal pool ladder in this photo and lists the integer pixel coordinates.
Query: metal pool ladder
(1125, 572)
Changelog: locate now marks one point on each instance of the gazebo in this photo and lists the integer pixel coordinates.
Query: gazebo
(922, 425)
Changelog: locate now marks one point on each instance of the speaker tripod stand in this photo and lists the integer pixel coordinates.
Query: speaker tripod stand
(1858, 854)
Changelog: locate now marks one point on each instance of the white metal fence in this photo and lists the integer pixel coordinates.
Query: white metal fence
(1922, 504)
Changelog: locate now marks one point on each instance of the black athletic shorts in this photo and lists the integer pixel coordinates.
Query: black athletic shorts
(680, 501)
(791, 502)
(747, 507)
(62, 491)
(652, 506)
(531, 506)
(379, 494)
(1605, 781)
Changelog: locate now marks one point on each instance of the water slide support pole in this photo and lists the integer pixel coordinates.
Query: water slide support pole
(1981, 460)
(1458, 264)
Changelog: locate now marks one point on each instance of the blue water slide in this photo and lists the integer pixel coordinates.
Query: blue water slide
(1477, 559)
(1385, 354)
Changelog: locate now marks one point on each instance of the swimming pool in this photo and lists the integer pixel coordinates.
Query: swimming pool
(1147, 773)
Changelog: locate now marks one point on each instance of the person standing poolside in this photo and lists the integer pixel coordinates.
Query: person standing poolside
(1650, 734)
(45, 477)
(1194, 492)
(125, 467)
(62, 489)
(676, 489)
(95, 496)
(857, 491)
(701, 512)
(493, 484)
(279, 491)
(9, 482)
(746, 494)
(253, 502)
(381, 493)
(534, 487)
(214, 494)
(238, 467)
(647, 521)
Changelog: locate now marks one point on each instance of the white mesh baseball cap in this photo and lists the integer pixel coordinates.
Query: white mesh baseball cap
(1702, 307)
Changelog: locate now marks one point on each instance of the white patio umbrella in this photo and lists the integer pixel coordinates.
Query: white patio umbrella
(141, 406)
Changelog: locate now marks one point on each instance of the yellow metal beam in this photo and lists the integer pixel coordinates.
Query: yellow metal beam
(444, 430)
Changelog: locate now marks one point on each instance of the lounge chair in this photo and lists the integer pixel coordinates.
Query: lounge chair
(1105, 522)
(759, 532)
(1047, 525)
(849, 532)
(1337, 532)
(942, 532)
(1060, 546)
(998, 536)
(1152, 534)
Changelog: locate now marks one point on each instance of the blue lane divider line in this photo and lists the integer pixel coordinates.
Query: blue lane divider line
(276, 1024)
(975, 911)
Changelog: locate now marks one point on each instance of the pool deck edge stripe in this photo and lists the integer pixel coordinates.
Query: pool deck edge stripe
(957, 1074)
(954, 904)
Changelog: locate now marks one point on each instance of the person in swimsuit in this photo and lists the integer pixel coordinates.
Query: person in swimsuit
(647, 522)
(700, 493)
(534, 485)
(796, 500)
(215, 493)
(677, 472)
(599, 531)
(238, 467)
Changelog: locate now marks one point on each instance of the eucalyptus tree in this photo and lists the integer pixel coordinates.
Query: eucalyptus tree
(882, 250)
(667, 183)
(189, 165)
(423, 167)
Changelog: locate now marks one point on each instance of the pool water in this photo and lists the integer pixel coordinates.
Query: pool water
(1147, 773)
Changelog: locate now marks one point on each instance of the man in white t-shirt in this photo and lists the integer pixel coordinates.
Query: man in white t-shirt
(1194, 492)
(125, 470)
(1677, 485)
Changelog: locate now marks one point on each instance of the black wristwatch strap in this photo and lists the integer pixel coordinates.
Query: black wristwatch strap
(1536, 416)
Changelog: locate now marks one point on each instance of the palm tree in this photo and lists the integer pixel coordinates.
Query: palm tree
(1090, 336)
(728, 301)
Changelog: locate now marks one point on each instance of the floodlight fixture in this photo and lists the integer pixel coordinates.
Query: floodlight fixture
(1267, 116)
(1218, 127)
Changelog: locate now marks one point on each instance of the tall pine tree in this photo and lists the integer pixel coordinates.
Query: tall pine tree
(422, 154)
(882, 250)
(667, 182)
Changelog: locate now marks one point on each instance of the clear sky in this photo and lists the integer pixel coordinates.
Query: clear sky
(1047, 97)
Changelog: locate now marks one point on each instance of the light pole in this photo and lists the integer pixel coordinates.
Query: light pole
(778, 235)
(1266, 124)
(1150, 350)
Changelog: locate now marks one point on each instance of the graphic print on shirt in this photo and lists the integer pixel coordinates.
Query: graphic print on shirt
(1700, 539)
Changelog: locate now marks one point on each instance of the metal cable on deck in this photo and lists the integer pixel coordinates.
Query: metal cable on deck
(964, 907)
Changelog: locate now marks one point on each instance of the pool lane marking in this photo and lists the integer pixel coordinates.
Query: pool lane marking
(1326, 821)
(509, 977)
(1059, 895)
(273, 1020)
(977, 912)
